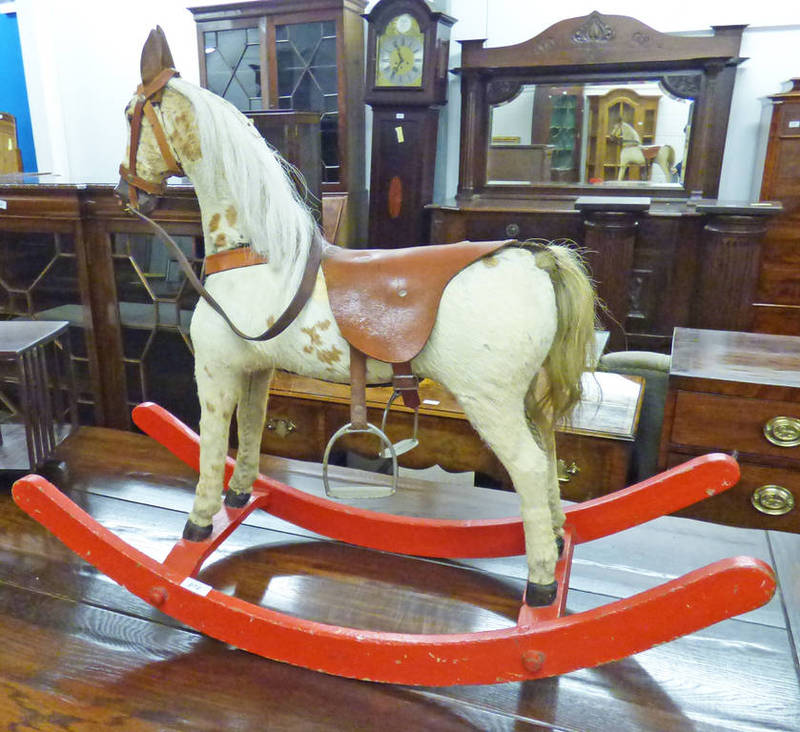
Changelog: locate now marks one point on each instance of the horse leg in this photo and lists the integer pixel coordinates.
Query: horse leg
(218, 391)
(250, 414)
(502, 424)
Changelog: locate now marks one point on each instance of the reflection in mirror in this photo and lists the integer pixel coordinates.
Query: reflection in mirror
(613, 133)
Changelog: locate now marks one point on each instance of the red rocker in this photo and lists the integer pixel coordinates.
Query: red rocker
(544, 642)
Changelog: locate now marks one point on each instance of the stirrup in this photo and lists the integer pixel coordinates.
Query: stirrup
(409, 443)
(365, 490)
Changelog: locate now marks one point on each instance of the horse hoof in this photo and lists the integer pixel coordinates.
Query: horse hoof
(193, 532)
(56, 471)
(560, 545)
(236, 500)
(537, 595)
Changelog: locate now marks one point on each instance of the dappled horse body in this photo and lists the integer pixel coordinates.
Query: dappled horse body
(510, 340)
(633, 153)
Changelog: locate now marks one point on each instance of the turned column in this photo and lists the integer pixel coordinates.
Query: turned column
(610, 237)
(728, 261)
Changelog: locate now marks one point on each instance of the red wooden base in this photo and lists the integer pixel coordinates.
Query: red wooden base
(544, 643)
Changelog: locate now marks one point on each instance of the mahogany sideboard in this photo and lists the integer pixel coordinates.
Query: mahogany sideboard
(594, 449)
(738, 393)
(658, 265)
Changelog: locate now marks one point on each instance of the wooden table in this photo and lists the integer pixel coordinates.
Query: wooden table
(594, 448)
(78, 652)
(726, 391)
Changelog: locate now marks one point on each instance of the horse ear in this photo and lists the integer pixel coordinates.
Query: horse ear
(155, 55)
(166, 54)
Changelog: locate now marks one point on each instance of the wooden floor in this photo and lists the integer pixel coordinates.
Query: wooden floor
(78, 652)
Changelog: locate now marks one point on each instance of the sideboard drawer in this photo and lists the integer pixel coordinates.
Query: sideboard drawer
(731, 423)
(735, 506)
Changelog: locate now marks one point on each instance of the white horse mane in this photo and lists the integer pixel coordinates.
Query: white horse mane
(237, 163)
(627, 127)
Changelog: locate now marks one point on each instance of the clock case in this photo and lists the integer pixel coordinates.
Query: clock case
(405, 125)
(435, 29)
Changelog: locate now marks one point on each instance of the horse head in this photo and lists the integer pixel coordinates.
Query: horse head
(150, 157)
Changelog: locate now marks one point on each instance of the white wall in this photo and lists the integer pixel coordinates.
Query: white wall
(82, 59)
(82, 66)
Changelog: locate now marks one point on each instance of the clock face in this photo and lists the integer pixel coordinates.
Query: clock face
(400, 53)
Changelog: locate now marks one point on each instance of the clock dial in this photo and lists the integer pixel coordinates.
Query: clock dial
(400, 53)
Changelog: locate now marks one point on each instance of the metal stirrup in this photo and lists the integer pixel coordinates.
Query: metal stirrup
(363, 490)
(409, 443)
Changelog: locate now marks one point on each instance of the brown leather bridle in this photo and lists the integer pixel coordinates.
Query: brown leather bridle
(148, 95)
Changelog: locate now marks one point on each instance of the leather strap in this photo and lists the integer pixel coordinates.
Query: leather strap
(157, 83)
(144, 107)
(286, 318)
(406, 384)
(358, 389)
(232, 259)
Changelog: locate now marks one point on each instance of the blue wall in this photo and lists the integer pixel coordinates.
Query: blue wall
(13, 92)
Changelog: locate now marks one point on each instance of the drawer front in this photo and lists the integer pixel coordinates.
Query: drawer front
(591, 466)
(735, 506)
(729, 423)
(294, 429)
(300, 429)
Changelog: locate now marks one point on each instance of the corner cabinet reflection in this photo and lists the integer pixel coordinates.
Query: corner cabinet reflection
(300, 55)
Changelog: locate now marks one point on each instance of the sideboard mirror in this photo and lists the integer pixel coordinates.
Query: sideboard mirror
(598, 104)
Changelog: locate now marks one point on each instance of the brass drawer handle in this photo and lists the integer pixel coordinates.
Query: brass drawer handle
(281, 426)
(512, 230)
(783, 431)
(565, 472)
(774, 500)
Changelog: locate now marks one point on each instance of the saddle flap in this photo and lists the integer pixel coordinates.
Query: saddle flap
(385, 301)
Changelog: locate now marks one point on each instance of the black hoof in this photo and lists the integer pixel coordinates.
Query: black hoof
(193, 532)
(560, 545)
(537, 595)
(56, 471)
(236, 500)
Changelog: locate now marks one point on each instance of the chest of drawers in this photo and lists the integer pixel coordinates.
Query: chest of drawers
(594, 449)
(738, 393)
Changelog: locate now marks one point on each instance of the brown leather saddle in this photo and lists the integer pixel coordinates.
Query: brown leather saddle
(385, 303)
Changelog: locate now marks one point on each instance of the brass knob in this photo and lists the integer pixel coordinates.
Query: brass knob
(512, 230)
(281, 426)
(565, 472)
(783, 431)
(774, 500)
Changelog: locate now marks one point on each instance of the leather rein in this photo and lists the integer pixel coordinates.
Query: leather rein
(148, 94)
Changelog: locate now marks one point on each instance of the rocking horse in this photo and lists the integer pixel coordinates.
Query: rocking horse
(507, 328)
(633, 153)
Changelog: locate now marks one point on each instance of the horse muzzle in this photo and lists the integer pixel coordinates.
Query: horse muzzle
(145, 202)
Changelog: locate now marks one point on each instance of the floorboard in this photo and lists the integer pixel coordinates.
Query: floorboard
(79, 651)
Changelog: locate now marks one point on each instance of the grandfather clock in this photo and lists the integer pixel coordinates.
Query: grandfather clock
(408, 46)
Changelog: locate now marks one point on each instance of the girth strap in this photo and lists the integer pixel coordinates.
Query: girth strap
(403, 381)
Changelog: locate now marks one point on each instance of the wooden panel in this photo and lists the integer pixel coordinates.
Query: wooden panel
(776, 319)
(734, 507)
(598, 441)
(712, 421)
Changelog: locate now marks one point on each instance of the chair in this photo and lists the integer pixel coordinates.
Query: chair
(654, 368)
(10, 156)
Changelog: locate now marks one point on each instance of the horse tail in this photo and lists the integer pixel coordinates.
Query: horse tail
(571, 352)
